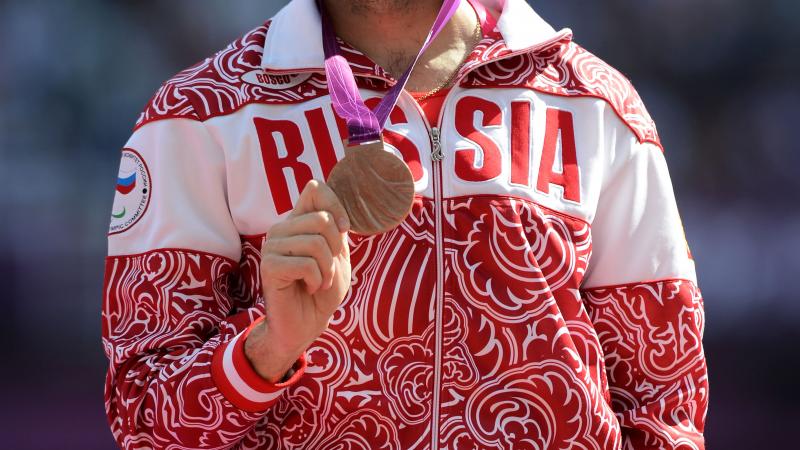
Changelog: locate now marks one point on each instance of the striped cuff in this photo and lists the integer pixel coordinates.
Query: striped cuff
(238, 381)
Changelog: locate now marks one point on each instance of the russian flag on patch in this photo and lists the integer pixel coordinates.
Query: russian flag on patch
(127, 184)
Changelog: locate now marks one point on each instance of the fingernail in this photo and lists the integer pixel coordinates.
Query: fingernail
(344, 223)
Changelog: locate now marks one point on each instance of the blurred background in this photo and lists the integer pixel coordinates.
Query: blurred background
(720, 78)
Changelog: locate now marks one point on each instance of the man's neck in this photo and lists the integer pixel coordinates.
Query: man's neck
(391, 32)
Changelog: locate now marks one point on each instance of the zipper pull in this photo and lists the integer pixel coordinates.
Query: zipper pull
(436, 151)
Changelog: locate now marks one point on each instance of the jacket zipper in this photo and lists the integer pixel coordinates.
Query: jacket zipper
(436, 149)
(437, 154)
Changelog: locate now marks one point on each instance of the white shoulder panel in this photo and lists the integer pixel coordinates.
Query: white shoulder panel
(637, 234)
(171, 193)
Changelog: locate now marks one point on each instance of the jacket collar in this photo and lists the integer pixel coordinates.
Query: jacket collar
(293, 42)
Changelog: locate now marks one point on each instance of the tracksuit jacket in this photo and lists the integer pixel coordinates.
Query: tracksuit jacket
(540, 295)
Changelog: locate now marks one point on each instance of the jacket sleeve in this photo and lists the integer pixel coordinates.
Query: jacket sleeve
(641, 293)
(173, 331)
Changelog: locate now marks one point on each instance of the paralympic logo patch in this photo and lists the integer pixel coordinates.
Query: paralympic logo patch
(126, 184)
(132, 192)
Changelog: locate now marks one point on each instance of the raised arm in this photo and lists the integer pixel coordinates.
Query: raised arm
(173, 332)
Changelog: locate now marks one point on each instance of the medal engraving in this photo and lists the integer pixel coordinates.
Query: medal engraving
(375, 187)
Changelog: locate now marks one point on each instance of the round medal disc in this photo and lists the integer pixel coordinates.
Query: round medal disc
(375, 187)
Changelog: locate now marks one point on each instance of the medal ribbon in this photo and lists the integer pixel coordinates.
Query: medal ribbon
(364, 124)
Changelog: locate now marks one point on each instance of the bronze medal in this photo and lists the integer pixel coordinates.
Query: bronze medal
(375, 187)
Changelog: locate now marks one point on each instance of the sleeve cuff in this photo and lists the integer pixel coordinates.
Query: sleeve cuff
(239, 382)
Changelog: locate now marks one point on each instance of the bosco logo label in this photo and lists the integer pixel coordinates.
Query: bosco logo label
(274, 81)
(133, 192)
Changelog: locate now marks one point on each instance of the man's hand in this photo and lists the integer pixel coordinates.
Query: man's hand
(305, 274)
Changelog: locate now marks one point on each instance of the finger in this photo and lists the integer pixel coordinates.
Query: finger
(317, 222)
(281, 271)
(309, 245)
(318, 196)
(345, 243)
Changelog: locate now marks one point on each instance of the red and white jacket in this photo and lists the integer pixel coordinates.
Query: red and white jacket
(540, 295)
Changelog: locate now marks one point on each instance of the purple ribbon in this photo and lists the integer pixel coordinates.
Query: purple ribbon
(364, 124)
